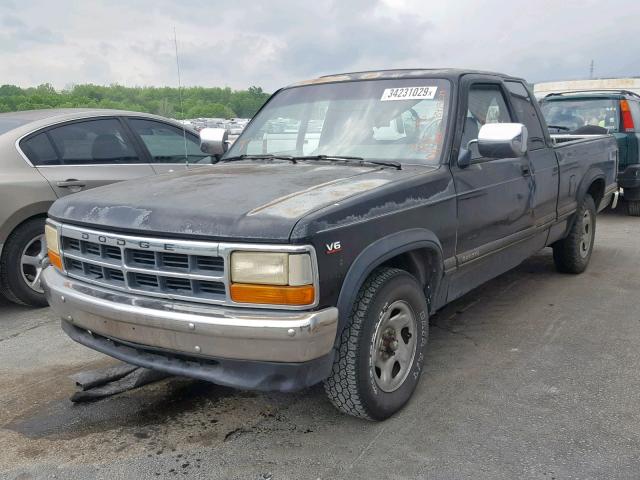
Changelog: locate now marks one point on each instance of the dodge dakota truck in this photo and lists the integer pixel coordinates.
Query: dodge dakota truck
(348, 212)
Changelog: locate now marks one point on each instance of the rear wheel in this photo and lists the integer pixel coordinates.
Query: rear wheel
(572, 254)
(633, 208)
(382, 349)
(21, 264)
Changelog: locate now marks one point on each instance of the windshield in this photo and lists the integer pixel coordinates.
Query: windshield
(398, 120)
(574, 114)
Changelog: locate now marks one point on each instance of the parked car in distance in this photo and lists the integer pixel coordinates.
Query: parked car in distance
(313, 254)
(47, 154)
(596, 111)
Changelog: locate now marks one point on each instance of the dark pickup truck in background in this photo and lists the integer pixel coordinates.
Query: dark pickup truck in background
(602, 111)
(317, 251)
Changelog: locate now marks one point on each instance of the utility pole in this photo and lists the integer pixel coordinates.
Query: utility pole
(591, 70)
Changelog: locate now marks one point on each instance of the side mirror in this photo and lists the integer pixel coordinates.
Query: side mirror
(214, 141)
(502, 140)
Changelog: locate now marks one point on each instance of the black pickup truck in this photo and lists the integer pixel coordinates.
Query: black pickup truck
(351, 209)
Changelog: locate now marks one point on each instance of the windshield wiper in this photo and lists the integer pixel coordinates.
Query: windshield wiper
(346, 158)
(331, 158)
(560, 127)
(264, 156)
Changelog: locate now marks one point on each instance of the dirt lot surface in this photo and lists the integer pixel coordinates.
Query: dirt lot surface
(534, 375)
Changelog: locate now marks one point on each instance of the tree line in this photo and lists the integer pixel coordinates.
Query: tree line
(196, 101)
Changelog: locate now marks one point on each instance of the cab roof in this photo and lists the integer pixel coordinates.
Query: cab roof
(448, 73)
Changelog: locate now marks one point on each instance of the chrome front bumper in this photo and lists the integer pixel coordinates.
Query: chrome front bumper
(192, 330)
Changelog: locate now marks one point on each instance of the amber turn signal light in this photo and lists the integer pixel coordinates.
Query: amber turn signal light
(272, 294)
(55, 259)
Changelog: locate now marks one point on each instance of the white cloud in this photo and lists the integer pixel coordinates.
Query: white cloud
(277, 42)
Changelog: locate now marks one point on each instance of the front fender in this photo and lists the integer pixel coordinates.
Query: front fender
(376, 254)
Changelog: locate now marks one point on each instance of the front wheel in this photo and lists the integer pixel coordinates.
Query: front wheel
(572, 254)
(382, 350)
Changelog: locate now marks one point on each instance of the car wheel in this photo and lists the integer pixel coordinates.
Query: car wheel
(572, 254)
(382, 349)
(22, 263)
(633, 208)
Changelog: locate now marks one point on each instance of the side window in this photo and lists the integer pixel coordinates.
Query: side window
(526, 114)
(486, 105)
(39, 150)
(93, 142)
(166, 143)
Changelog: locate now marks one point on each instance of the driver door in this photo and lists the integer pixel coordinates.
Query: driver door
(494, 196)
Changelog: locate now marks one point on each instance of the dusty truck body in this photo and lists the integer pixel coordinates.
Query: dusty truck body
(320, 255)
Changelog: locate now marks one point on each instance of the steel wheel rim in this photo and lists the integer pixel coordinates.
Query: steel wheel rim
(587, 234)
(31, 262)
(394, 346)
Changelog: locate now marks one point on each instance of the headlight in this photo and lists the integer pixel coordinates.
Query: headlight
(53, 245)
(272, 278)
(260, 267)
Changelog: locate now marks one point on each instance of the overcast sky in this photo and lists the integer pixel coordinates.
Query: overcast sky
(271, 43)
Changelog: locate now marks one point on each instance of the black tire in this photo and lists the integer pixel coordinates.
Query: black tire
(572, 254)
(353, 384)
(633, 208)
(12, 284)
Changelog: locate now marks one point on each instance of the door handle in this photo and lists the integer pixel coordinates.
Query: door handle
(525, 170)
(72, 182)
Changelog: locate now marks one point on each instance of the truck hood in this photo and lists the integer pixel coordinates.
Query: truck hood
(244, 200)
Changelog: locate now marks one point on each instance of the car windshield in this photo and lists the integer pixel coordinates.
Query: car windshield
(574, 114)
(394, 120)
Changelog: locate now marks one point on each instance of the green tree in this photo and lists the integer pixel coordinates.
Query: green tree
(165, 108)
(196, 101)
(211, 110)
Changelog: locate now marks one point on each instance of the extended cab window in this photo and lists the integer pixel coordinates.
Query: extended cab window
(100, 142)
(39, 150)
(527, 115)
(400, 120)
(166, 143)
(486, 104)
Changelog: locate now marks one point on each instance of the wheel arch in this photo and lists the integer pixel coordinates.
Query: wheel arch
(19, 217)
(593, 185)
(417, 251)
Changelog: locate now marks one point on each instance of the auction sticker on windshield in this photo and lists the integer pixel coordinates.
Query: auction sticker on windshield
(409, 93)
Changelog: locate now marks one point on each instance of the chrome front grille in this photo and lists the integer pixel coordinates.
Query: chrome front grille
(188, 270)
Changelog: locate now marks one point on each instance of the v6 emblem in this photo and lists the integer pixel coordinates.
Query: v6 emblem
(333, 247)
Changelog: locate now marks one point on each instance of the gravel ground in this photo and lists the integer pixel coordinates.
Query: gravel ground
(534, 375)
